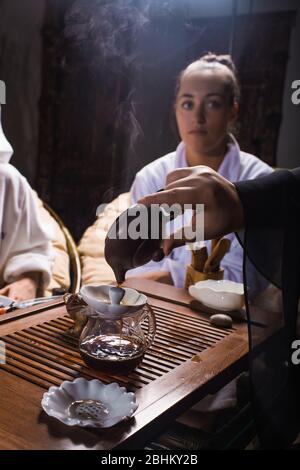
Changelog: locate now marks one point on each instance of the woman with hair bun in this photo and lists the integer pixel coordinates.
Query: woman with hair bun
(206, 106)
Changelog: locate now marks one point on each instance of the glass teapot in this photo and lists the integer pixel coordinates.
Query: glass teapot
(118, 331)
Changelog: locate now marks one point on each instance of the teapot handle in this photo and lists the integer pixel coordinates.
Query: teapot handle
(148, 314)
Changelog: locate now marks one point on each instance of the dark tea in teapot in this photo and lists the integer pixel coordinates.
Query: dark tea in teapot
(120, 327)
(112, 354)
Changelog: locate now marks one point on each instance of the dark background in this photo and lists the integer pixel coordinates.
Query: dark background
(90, 88)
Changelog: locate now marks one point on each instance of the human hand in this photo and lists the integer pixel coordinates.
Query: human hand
(223, 212)
(22, 289)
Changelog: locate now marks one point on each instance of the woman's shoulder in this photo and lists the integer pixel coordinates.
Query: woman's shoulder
(252, 166)
(152, 177)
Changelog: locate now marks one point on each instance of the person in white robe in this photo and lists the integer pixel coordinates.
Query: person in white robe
(25, 251)
(206, 106)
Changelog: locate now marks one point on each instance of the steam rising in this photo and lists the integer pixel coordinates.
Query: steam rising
(111, 38)
(105, 30)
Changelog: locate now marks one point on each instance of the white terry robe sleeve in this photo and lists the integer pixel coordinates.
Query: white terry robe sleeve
(24, 246)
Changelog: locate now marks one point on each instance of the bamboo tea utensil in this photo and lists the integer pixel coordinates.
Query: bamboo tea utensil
(195, 270)
(214, 243)
(212, 263)
(205, 267)
(199, 258)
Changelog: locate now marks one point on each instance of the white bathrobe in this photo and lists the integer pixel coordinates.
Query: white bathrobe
(236, 166)
(24, 245)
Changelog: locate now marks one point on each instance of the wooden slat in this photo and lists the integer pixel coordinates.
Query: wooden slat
(27, 312)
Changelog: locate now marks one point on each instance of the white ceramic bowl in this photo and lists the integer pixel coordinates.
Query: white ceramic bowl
(222, 295)
(97, 297)
(89, 403)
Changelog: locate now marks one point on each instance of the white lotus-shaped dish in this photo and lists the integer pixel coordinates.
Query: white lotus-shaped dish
(89, 403)
(98, 298)
(222, 295)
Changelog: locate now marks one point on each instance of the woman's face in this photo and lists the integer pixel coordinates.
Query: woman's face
(203, 111)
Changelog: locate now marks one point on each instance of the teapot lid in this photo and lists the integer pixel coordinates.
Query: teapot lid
(98, 297)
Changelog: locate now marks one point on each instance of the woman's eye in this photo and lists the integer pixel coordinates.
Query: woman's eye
(213, 104)
(187, 105)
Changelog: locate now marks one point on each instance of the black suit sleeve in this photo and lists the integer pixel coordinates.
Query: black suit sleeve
(271, 206)
(271, 245)
(271, 201)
